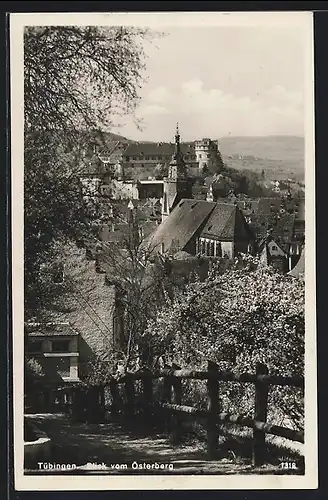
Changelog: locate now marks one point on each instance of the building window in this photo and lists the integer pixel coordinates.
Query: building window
(60, 346)
(35, 345)
(146, 157)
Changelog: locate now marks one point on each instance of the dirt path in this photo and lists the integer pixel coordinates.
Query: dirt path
(111, 443)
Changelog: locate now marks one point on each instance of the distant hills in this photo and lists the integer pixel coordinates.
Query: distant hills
(270, 147)
(280, 157)
(273, 147)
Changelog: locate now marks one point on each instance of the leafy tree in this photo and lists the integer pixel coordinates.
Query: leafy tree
(161, 170)
(76, 80)
(237, 319)
(81, 77)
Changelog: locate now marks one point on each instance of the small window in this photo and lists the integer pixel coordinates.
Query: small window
(274, 247)
(35, 345)
(60, 345)
(209, 227)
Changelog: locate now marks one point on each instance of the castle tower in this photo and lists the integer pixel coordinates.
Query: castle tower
(176, 185)
(208, 155)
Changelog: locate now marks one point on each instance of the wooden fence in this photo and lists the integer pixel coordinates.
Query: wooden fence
(172, 402)
(172, 395)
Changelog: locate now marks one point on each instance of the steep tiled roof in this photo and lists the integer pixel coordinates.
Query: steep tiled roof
(49, 329)
(299, 270)
(157, 149)
(180, 226)
(284, 228)
(113, 147)
(266, 205)
(226, 223)
(264, 257)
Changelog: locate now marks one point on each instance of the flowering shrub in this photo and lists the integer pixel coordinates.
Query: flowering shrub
(237, 319)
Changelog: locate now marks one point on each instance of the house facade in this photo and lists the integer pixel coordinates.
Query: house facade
(56, 347)
(84, 324)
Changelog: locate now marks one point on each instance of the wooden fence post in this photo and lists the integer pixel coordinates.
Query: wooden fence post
(261, 407)
(167, 389)
(101, 399)
(130, 396)
(113, 386)
(147, 392)
(213, 429)
(167, 398)
(177, 417)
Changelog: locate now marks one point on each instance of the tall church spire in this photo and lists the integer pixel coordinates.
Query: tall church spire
(177, 142)
(176, 185)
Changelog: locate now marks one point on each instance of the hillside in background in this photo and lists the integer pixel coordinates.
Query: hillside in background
(280, 157)
(283, 148)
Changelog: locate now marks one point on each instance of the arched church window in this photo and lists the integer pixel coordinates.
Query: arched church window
(218, 252)
(202, 247)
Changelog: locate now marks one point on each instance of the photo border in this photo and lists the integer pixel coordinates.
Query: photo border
(281, 482)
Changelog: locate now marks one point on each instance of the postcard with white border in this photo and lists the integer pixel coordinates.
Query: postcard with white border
(164, 309)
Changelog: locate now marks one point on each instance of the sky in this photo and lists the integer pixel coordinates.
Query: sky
(219, 81)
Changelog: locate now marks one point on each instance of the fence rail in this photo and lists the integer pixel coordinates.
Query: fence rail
(172, 403)
(294, 381)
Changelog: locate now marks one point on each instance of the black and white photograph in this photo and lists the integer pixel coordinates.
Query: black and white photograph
(163, 249)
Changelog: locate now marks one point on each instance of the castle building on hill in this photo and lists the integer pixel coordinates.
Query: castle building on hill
(115, 155)
(207, 154)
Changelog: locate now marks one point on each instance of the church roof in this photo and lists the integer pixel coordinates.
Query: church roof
(226, 223)
(180, 226)
(213, 220)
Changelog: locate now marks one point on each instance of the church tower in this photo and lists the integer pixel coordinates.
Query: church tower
(176, 185)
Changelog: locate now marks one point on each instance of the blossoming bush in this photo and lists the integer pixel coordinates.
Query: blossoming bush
(237, 319)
